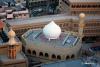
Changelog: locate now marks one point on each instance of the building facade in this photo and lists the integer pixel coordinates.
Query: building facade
(14, 12)
(74, 7)
(11, 54)
(50, 45)
(39, 3)
(67, 23)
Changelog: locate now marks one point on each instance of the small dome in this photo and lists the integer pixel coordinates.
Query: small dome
(11, 33)
(12, 41)
(82, 15)
(52, 30)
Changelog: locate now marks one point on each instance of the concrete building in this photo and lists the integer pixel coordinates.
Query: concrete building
(42, 7)
(52, 44)
(39, 3)
(67, 23)
(11, 54)
(74, 7)
(13, 12)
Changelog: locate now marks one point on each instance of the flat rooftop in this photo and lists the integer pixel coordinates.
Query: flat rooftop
(84, 1)
(47, 19)
(36, 37)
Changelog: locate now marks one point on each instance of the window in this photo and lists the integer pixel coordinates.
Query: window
(67, 57)
(72, 56)
(59, 57)
(53, 56)
(46, 55)
(29, 51)
(24, 14)
(40, 54)
(34, 52)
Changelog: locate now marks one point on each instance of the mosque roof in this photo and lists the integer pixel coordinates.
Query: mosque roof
(36, 37)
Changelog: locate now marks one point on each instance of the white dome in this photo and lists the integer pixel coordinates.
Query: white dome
(52, 30)
(11, 35)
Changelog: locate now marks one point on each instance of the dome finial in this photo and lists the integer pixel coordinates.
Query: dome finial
(82, 15)
(11, 33)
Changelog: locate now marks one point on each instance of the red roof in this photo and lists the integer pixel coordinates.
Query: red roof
(1, 24)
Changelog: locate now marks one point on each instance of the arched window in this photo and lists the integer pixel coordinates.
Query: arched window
(40, 54)
(67, 57)
(72, 56)
(29, 51)
(46, 55)
(54, 56)
(59, 57)
(34, 52)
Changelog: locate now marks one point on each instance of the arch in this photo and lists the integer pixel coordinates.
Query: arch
(46, 55)
(59, 57)
(53, 56)
(34, 52)
(41, 54)
(67, 57)
(29, 51)
(72, 56)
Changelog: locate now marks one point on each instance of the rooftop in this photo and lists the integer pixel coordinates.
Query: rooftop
(17, 7)
(5, 2)
(84, 0)
(46, 19)
(37, 37)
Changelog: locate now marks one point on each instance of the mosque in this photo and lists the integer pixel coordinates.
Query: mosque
(51, 43)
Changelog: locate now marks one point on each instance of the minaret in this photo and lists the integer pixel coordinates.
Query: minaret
(81, 24)
(11, 45)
